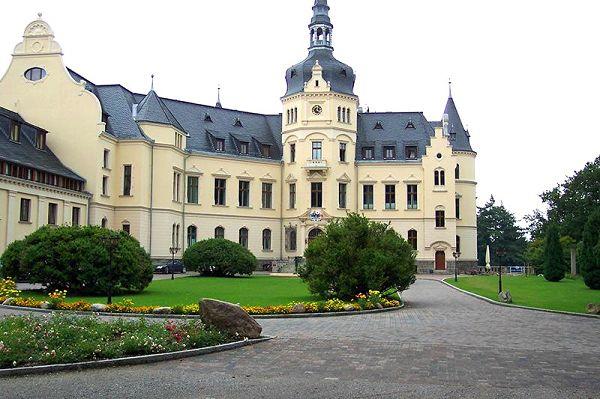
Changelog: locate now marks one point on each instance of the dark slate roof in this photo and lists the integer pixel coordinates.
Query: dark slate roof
(459, 136)
(321, 13)
(396, 132)
(25, 153)
(340, 75)
(153, 109)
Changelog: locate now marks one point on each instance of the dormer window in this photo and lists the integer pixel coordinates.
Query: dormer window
(368, 153)
(105, 118)
(238, 123)
(344, 73)
(244, 148)
(378, 126)
(40, 140)
(293, 73)
(35, 74)
(15, 132)
(411, 152)
(265, 150)
(389, 152)
(410, 125)
(207, 118)
(220, 145)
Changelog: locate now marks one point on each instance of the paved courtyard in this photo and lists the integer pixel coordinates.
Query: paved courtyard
(443, 345)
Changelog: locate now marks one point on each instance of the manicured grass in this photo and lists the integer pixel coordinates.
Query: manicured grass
(29, 341)
(570, 295)
(247, 291)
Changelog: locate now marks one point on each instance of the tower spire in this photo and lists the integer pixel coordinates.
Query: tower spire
(320, 27)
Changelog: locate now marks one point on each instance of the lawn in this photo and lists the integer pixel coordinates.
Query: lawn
(570, 295)
(247, 291)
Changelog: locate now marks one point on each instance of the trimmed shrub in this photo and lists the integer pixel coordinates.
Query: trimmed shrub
(356, 256)
(220, 258)
(590, 253)
(77, 259)
(554, 268)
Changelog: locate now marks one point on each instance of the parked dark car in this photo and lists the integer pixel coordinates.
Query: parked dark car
(176, 267)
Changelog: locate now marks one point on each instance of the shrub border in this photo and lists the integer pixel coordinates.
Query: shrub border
(129, 361)
(195, 316)
(510, 305)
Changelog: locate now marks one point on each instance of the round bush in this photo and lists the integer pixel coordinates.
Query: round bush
(220, 258)
(356, 255)
(77, 259)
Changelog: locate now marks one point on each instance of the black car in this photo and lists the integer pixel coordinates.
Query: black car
(171, 267)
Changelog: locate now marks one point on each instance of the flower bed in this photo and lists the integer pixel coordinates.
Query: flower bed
(56, 300)
(57, 339)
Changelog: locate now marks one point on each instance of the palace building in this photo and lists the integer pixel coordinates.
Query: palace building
(171, 172)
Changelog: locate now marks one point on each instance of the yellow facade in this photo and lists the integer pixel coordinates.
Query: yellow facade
(156, 209)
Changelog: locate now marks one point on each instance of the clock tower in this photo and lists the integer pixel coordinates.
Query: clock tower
(319, 137)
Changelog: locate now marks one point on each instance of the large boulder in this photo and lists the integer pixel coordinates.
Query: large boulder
(593, 308)
(229, 318)
(505, 297)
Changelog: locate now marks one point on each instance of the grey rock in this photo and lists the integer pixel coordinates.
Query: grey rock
(98, 307)
(8, 301)
(45, 305)
(379, 306)
(593, 308)
(163, 310)
(505, 297)
(349, 308)
(229, 318)
(299, 308)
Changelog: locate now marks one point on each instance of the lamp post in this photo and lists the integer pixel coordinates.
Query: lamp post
(500, 252)
(456, 256)
(173, 251)
(111, 242)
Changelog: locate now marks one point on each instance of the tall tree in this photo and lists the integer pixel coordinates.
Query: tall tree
(554, 268)
(497, 227)
(571, 202)
(590, 259)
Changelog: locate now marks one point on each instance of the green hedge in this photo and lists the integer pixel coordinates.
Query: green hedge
(220, 258)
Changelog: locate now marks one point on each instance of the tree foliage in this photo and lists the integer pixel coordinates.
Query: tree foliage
(355, 255)
(554, 269)
(78, 259)
(219, 257)
(497, 227)
(590, 254)
(534, 254)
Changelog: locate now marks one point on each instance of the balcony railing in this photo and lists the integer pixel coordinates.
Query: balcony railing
(316, 164)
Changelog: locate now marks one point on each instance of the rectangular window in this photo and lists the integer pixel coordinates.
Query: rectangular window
(265, 151)
(220, 190)
(244, 148)
(220, 145)
(389, 152)
(316, 195)
(292, 195)
(368, 196)
(457, 204)
(40, 140)
(104, 185)
(317, 150)
(105, 159)
(192, 189)
(244, 193)
(390, 196)
(292, 153)
(127, 180)
(25, 210)
(75, 216)
(52, 211)
(411, 197)
(368, 153)
(127, 228)
(412, 239)
(343, 187)
(176, 186)
(267, 196)
(440, 219)
(15, 132)
(411, 152)
(342, 152)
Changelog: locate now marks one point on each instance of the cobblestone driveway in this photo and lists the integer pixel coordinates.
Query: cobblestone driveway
(443, 345)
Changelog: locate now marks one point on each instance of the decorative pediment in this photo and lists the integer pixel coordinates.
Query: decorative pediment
(315, 216)
(368, 179)
(268, 178)
(291, 179)
(245, 176)
(412, 179)
(194, 170)
(316, 175)
(222, 174)
(390, 180)
(344, 178)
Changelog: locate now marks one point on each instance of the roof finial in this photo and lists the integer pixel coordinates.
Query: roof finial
(219, 105)
(39, 15)
(152, 82)
(449, 87)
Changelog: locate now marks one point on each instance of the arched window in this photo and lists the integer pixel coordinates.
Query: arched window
(173, 235)
(293, 240)
(348, 115)
(320, 34)
(439, 178)
(314, 233)
(177, 236)
(442, 178)
(339, 114)
(192, 235)
(288, 117)
(458, 244)
(412, 238)
(243, 239)
(457, 172)
(220, 232)
(104, 223)
(266, 240)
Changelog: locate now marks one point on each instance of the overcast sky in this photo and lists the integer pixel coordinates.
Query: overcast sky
(526, 73)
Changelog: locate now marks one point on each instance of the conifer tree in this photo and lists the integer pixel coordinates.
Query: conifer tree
(554, 270)
(590, 254)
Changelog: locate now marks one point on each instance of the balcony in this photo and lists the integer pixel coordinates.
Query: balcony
(316, 164)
